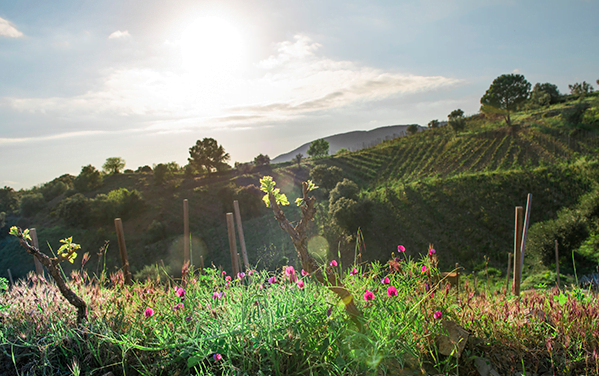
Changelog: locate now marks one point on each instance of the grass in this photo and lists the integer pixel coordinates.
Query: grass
(253, 326)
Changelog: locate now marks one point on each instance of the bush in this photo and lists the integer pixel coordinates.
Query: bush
(156, 231)
(8, 200)
(119, 203)
(88, 179)
(31, 204)
(154, 273)
(574, 114)
(343, 212)
(74, 211)
(326, 177)
(345, 188)
(53, 189)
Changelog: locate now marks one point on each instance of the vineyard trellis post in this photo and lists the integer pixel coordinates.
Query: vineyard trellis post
(120, 234)
(232, 243)
(509, 270)
(517, 244)
(557, 263)
(240, 233)
(525, 232)
(39, 269)
(12, 283)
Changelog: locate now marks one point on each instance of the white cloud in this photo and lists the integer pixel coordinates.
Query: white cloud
(119, 34)
(293, 83)
(7, 29)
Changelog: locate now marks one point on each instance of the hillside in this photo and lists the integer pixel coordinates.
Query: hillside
(456, 191)
(355, 140)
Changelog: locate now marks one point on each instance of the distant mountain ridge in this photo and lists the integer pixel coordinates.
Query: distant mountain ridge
(352, 141)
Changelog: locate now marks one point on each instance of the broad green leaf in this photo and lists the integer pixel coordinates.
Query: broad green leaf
(299, 201)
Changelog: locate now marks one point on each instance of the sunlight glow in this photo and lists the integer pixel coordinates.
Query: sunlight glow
(212, 46)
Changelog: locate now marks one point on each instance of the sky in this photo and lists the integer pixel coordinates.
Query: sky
(82, 81)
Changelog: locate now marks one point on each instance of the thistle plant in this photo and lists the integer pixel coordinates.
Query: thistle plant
(65, 252)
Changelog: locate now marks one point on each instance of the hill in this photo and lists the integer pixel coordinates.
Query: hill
(454, 190)
(355, 140)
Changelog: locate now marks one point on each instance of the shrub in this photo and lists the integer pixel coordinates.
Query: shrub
(31, 204)
(74, 210)
(119, 203)
(154, 273)
(345, 188)
(8, 200)
(343, 212)
(88, 179)
(156, 231)
(326, 177)
(574, 114)
(53, 189)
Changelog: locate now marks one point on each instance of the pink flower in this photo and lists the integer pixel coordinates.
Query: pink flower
(423, 269)
(217, 295)
(391, 291)
(217, 357)
(432, 251)
(193, 280)
(180, 292)
(300, 284)
(304, 273)
(401, 249)
(272, 280)
(437, 315)
(385, 281)
(224, 273)
(240, 275)
(228, 278)
(354, 271)
(252, 272)
(329, 311)
(333, 263)
(149, 312)
(368, 295)
(178, 307)
(289, 270)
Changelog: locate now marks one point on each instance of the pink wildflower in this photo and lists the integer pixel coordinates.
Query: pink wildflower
(423, 269)
(224, 273)
(304, 273)
(432, 251)
(217, 357)
(217, 295)
(391, 291)
(385, 281)
(149, 312)
(228, 278)
(333, 263)
(300, 284)
(289, 270)
(354, 271)
(272, 280)
(180, 292)
(401, 249)
(178, 307)
(193, 280)
(368, 295)
(240, 275)
(437, 315)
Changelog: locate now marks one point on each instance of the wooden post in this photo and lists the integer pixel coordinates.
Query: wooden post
(457, 270)
(557, 263)
(241, 237)
(509, 270)
(525, 232)
(185, 231)
(120, 234)
(12, 283)
(201, 264)
(517, 245)
(232, 243)
(39, 269)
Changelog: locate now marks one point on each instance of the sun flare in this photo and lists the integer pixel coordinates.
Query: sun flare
(212, 46)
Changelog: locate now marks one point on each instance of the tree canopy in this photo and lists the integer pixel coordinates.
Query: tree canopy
(319, 148)
(505, 94)
(456, 120)
(113, 165)
(208, 155)
(433, 124)
(261, 160)
(412, 129)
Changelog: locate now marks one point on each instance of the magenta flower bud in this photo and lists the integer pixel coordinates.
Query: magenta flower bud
(368, 295)
(391, 291)
(180, 292)
(437, 315)
(432, 251)
(333, 263)
(217, 357)
(401, 248)
(300, 284)
(385, 281)
(354, 271)
(148, 312)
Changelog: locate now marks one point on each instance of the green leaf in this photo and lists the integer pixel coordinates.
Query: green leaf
(311, 186)
(14, 231)
(299, 201)
(26, 234)
(266, 200)
(267, 184)
(282, 199)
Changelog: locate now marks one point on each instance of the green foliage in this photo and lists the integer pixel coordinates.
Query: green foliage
(2, 220)
(261, 160)
(298, 159)
(506, 94)
(113, 165)
(9, 203)
(541, 91)
(574, 114)
(346, 188)
(165, 172)
(53, 189)
(153, 273)
(88, 179)
(456, 120)
(581, 89)
(67, 249)
(342, 151)
(156, 231)
(268, 185)
(31, 204)
(326, 177)
(412, 129)
(591, 115)
(144, 169)
(433, 124)
(319, 148)
(75, 210)
(208, 155)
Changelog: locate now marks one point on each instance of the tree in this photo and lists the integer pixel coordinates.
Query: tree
(548, 88)
(433, 124)
(113, 165)
(319, 148)
(261, 160)
(456, 120)
(298, 159)
(88, 179)
(505, 94)
(581, 89)
(412, 129)
(326, 177)
(208, 155)
(9, 203)
(164, 172)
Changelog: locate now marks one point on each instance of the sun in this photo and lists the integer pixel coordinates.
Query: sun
(212, 46)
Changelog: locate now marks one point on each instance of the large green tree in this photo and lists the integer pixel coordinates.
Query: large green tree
(318, 148)
(505, 94)
(113, 165)
(208, 155)
(456, 120)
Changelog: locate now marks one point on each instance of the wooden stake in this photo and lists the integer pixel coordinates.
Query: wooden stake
(509, 270)
(39, 269)
(186, 239)
(517, 245)
(232, 243)
(557, 263)
(12, 283)
(240, 233)
(120, 234)
(201, 264)
(457, 270)
(525, 232)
